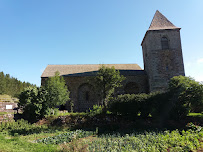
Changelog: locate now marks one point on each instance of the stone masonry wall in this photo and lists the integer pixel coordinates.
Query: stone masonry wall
(161, 65)
(7, 106)
(78, 86)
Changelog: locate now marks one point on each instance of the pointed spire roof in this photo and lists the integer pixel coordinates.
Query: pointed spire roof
(160, 22)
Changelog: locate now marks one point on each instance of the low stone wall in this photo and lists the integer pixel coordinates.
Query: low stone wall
(8, 106)
(7, 117)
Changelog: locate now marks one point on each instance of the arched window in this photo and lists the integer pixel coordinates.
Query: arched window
(86, 97)
(164, 43)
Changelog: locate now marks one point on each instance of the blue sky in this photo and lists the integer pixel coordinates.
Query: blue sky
(36, 33)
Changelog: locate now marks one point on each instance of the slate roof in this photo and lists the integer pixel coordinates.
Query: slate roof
(159, 22)
(90, 69)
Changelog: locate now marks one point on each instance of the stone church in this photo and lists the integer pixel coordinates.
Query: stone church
(162, 55)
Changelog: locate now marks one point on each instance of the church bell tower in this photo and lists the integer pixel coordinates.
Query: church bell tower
(162, 53)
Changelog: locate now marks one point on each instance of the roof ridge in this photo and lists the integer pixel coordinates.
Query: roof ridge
(96, 64)
(84, 68)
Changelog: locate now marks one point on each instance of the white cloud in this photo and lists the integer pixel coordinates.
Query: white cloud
(200, 60)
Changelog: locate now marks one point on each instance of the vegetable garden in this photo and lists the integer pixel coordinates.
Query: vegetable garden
(22, 136)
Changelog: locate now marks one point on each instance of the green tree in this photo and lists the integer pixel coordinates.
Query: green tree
(33, 103)
(11, 86)
(187, 92)
(2, 83)
(37, 102)
(58, 93)
(106, 81)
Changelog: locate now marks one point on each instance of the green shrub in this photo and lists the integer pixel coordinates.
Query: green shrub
(158, 104)
(33, 103)
(187, 94)
(184, 95)
(194, 127)
(143, 104)
(128, 104)
(52, 112)
(21, 127)
(97, 109)
(37, 102)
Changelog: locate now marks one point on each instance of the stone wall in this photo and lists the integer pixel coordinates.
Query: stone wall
(7, 106)
(6, 117)
(162, 64)
(84, 95)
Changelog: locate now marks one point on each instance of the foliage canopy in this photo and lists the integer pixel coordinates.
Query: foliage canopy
(184, 95)
(11, 86)
(57, 90)
(37, 102)
(106, 81)
(187, 92)
(33, 103)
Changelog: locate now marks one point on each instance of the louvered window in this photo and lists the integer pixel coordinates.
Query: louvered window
(164, 43)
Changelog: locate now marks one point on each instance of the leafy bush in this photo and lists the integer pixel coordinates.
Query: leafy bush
(131, 104)
(33, 103)
(37, 102)
(97, 109)
(187, 94)
(184, 95)
(128, 104)
(158, 104)
(194, 127)
(66, 137)
(53, 112)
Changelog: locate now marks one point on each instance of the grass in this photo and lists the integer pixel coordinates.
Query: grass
(4, 113)
(36, 136)
(19, 145)
(64, 113)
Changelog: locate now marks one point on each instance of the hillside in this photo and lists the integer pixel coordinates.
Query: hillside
(11, 86)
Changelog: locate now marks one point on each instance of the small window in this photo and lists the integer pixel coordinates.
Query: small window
(164, 43)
